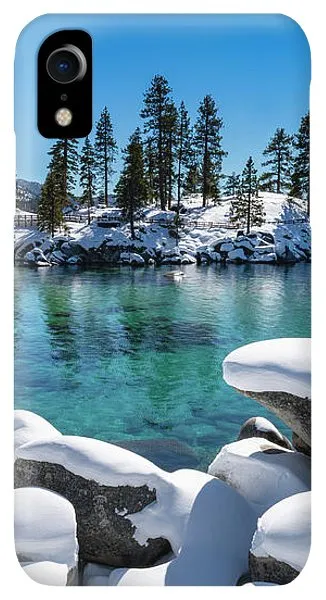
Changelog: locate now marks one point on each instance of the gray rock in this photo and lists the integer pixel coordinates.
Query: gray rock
(104, 535)
(293, 410)
(267, 568)
(300, 445)
(261, 427)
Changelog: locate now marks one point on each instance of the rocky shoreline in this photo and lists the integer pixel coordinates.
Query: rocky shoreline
(160, 243)
(118, 519)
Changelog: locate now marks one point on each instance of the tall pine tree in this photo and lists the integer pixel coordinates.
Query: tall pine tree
(87, 175)
(183, 148)
(49, 213)
(131, 190)
(208, 146)
(248, 209)
(157, 107)
(105, 152)
(170, 136)
(65, 162)
(300, 185)
(277, 176)
(232, 184)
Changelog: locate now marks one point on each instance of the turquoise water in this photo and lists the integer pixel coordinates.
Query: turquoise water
(129, 355)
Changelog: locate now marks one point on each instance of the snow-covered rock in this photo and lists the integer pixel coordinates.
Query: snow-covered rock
(226, 247)
(132, 258)
(237, 255)
(45, 532)
(281, 544)
(109, 488)
(276, 373)
(30, 427)
(263, 472)
(214, 551)
(262, 428)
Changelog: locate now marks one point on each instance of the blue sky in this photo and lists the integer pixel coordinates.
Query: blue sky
(257, 67)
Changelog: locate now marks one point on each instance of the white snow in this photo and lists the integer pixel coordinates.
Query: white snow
(214, 551)
(280, 365)
(264, 425)
(47, 572)
(263, 472)
(45, 527)
(283, 532)
(96, 574)
(29, 427)
(113, 466)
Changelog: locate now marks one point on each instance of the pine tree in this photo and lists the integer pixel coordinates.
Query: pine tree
(170, 136)
(87, 174)
(64, 161)
(131, 190)
(277, 177)
(232, 184)
(192, 180)
(157, 106)
(247, 209)
(49, 213)
(183, 148)
(105, 152)
(150, 169)
(300, 185)
(208, 146)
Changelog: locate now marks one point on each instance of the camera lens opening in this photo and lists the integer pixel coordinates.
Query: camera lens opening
(66, 64)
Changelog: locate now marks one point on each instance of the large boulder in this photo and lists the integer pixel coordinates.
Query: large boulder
(263, 428)
(30, 427)
(277, 374)
(281, 544)
(45, 536)
(105, 484)
(263, 472)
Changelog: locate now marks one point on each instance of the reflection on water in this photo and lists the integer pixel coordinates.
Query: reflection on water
(130, 355)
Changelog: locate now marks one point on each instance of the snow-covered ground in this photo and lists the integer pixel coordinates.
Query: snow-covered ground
(204, 237)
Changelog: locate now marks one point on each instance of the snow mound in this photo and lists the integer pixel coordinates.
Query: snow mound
(263, 472)
(30, 427)
(215, 548)
(283, 532)
(45, 527)
(280, 365)
(47, 573)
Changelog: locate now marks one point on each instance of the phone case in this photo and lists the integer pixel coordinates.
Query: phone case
(162, 308)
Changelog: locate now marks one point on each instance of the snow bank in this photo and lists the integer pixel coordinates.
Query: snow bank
(263, 472)
(47, 572)
(215, 548)
(283, 532)
(45, 527)
(280, 365)
(30, 427)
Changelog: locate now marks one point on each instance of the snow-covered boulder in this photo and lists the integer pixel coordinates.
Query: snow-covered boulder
(215, 548)
(263, 428)
(45, 535)
(74, 260)
(281, 544)
(30, 427)
(225, 247)
(58, 257)
(132, 258)
(263, 472)
(238, 255)
(276, 373)
(106, 484)
(36, 257)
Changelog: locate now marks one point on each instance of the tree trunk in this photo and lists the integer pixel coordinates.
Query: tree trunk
(160, 165)
(279, 172)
